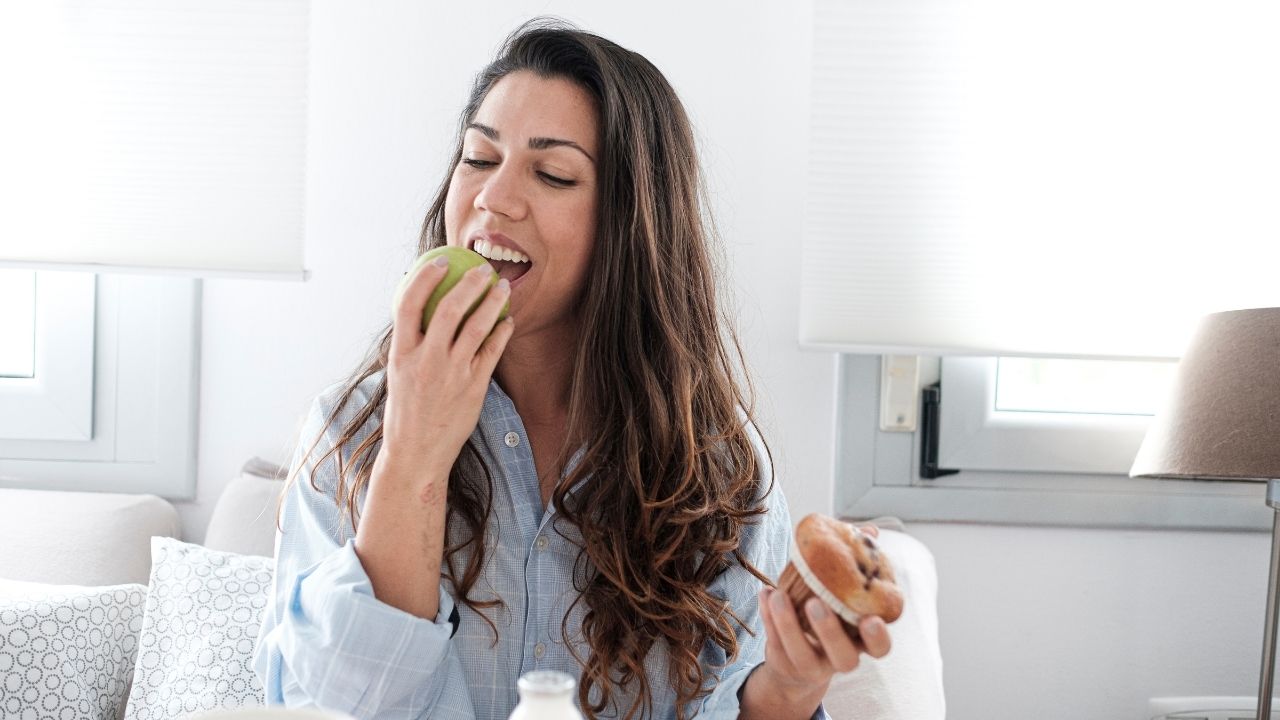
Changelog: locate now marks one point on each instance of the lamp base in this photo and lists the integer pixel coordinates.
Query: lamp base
(1269, 628)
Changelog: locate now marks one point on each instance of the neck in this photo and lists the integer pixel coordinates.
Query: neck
(536, 372)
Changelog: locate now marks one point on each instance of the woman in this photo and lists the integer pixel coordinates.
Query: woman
(579, 487)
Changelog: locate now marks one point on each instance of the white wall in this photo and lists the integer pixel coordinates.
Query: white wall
(1044, 623)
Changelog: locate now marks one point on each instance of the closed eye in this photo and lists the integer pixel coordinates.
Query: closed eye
(557, 181)
(548, 177)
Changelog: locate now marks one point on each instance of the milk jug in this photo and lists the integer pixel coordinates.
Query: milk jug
(546, 695)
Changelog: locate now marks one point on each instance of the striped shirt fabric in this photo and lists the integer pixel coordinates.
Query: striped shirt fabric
(326, 641)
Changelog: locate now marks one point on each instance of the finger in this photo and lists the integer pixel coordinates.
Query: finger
(875, 636)
(774, 652)
(482, 321)
(406, 330)
(836, 644)
(871, 530)
(447, 319)
(487, 357)
(798, 647)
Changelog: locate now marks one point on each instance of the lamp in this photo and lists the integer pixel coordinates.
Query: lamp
(1221, 421)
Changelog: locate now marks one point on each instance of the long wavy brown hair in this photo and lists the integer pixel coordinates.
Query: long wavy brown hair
(659, 406)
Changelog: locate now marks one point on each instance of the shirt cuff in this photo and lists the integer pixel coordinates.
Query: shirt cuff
(341, 578)
(726, 701)
(372, 647)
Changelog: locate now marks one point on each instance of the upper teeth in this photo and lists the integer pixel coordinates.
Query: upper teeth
(497, 252)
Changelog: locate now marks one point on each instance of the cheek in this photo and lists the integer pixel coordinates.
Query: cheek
(579, 223)
(455, 209)
(589, 238)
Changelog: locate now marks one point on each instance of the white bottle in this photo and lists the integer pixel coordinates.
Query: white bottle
(546, 695)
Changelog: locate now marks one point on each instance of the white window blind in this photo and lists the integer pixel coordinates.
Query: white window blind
(1076, 178)
(154, 135)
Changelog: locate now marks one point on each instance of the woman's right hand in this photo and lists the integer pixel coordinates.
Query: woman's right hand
(436, 382)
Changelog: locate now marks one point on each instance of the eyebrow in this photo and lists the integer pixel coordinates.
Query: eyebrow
(537, 143)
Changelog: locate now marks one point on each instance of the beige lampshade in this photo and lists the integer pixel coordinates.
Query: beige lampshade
(1221, 420)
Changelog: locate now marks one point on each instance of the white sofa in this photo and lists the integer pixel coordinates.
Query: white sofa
(107, 614)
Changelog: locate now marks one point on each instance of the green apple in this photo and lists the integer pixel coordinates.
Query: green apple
(460, 261)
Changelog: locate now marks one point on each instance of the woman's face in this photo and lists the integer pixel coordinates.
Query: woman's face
(527, 183)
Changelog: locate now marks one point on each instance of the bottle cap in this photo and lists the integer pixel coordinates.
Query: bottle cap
(546, 682)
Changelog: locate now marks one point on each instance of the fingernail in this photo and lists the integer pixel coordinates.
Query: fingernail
(441, 262)
(778, 600)
(816, 609)
(504, 285)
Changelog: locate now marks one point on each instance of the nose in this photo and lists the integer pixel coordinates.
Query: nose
(503, 193)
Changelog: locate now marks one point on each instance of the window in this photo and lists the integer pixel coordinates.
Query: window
(129, 129)
(17, 323)
(1053, 385)
(1046, 415)
(110, 402)
(1017, 467)
(53, 399)
(978, 186)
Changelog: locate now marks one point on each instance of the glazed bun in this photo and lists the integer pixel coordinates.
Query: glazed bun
(843, 567)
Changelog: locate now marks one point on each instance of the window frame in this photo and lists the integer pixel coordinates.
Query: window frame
(145, 349)
(56, 403)
(878, 473)
(976, 436)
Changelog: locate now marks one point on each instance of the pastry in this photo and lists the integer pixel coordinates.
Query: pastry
(843, 567)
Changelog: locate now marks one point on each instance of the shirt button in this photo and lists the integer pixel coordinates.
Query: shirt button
(542, 542)
(512, 439)
(538, 650)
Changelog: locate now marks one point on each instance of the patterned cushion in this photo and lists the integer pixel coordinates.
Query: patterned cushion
(202, 618)
(67, 652)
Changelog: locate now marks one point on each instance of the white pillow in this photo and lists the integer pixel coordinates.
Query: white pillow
(244, 519)
(67, 651)
(202, 618)
(906, 683)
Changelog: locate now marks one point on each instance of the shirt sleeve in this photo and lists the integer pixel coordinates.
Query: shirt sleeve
(326, 641)
(766, 546)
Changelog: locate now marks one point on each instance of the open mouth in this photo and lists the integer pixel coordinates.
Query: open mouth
(508, 263)
(512, 271)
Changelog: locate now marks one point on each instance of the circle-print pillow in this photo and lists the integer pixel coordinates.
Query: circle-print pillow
(67, 652)
(202, 617)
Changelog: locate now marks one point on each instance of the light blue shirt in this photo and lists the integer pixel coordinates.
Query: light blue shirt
(327, 641)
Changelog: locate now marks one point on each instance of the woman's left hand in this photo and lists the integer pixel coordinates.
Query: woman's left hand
(798, 668)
